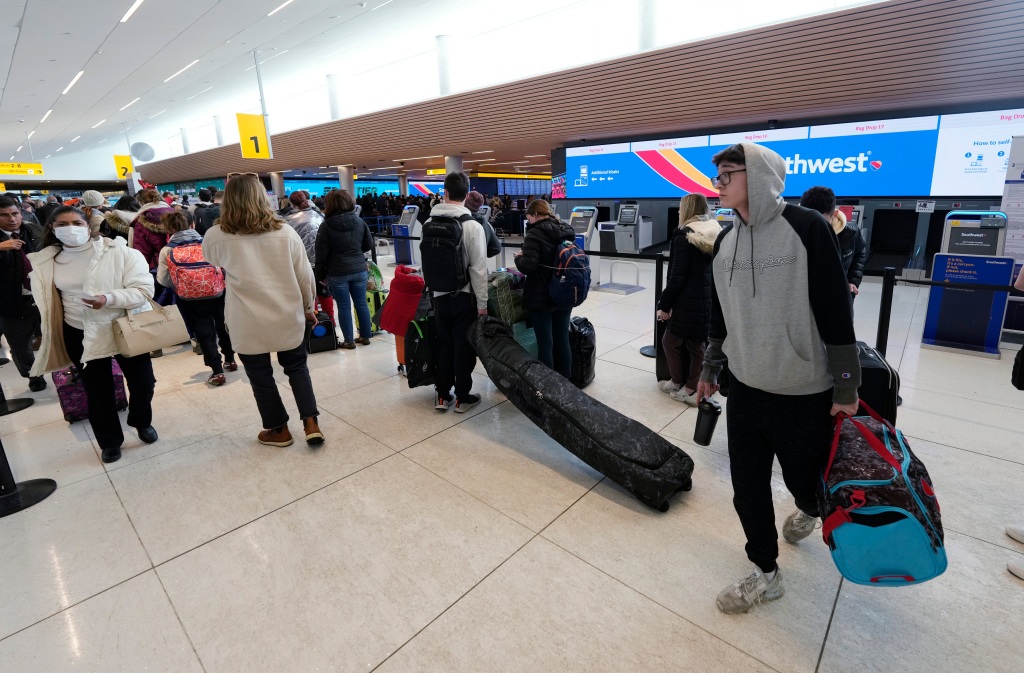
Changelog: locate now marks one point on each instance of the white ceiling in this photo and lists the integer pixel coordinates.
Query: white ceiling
(383, 50)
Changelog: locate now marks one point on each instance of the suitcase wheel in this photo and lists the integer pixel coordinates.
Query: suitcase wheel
(68, 418)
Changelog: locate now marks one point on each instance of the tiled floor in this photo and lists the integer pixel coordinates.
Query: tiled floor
(418, 541)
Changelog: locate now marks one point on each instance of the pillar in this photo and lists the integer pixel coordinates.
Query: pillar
(218, 128)
(277, 184)
(444, 47)
(346, 179)
(403, 184)
(184, 140)
(453, 163)
(334, 96)
(648, 23)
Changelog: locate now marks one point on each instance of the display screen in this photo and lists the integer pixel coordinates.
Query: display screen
(408, 215)
(951, 155)
(627, 215)
(971, 241)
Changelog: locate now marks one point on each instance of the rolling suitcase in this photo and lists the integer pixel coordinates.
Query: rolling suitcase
(375, 300)
(627, 452)
(322, 335)
(421, 352)
(879, 383)
(71, 392)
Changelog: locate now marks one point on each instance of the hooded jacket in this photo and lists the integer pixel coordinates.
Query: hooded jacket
(306, 224)
(781, 312)
(119, 222)
(538, 261)
(851, 247)
(149, 236)
(475, 245)
(687, 293)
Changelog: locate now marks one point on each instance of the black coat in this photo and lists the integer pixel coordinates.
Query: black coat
(206, 217)
(854, 254)
(687, 292)
(12, 275)
(340, 244)
(540, 251)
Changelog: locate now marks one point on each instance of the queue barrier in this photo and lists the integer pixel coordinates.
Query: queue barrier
(17, 496)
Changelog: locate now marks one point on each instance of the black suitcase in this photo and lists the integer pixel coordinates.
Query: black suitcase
(421, 352)
(627, 452)
(321, 335)
(583, 344)
(879, 383)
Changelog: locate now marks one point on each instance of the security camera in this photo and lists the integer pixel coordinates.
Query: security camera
(401, 163)
(303, 172)
(772, 123)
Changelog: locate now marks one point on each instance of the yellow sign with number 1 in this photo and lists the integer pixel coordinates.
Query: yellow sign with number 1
(252, 132)
(123, 165)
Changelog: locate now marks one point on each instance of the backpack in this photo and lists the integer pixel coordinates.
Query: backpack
(570, 283)
(191, 275)
(880, 516)
(442, 254)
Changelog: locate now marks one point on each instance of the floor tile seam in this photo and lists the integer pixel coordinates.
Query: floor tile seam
(959, 448)
(990, 543)
(269, 512)
(454, 425)
(77, 603)
(828, 628)
(658, 603)
(345, 392)
(959, 397)
(674, 419)
(165, 453)
(149, 557)
(455, 602)
(638, 369)
(181, 623)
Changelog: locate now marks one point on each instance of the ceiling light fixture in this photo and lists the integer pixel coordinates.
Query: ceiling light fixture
(75, 138)
(99, 122)
(534, 156)
(435, 156)
(131, 104)
(48, 156)
(12, 157)
(19, 149)
(485, 152)
(58, 149)
(31, 134)
(182, 70)
(77, 77)
(158, 113)
(200, 93)
(288, 2)
(386, 2)
(47, 114)
(266, 59)
(131, 10)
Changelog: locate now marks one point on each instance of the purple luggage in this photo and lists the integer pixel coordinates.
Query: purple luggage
(71, 391)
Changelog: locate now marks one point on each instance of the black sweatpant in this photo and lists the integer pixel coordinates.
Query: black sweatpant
(762, 425)
(207, 319)
(98, 379)
(453, 316)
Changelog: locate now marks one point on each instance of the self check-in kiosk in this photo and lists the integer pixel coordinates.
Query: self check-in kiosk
(633, 232)
(583, 221)
(974, 232)
(359, 210)
(407, 253)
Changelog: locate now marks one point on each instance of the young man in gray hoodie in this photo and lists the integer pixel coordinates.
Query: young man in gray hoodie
(781, 318)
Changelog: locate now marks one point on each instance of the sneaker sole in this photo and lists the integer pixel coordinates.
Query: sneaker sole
(766, 598)
(463, 409)
(315, 439)
(279, 445)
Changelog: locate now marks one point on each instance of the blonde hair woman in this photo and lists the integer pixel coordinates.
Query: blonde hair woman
(686, 300)
(268, 299)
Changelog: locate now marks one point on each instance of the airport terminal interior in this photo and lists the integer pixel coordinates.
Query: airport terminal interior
(478, 539)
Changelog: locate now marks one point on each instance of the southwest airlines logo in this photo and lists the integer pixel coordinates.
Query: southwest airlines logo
(671, 165)
(858, 164)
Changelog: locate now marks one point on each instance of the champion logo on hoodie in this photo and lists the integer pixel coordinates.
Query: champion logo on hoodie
(759, 264)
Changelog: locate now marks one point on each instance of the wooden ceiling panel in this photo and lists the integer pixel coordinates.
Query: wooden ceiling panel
(865, 61)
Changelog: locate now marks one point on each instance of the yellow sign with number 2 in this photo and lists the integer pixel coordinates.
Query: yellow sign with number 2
(123, 165)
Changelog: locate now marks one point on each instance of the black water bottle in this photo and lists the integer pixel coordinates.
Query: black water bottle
(708, 412)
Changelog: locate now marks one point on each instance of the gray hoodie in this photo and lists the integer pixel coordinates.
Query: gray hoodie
(781, 311)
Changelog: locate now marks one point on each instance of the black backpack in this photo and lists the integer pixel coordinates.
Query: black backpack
(442, 255)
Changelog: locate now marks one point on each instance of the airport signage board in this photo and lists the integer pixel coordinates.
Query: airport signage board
(963, 318)
(951, 155)
(18, 168)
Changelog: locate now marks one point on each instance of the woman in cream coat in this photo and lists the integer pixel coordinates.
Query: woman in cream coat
(81, 286)
(268, 301)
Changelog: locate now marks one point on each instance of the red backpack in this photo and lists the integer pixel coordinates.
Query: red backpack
(192, 276)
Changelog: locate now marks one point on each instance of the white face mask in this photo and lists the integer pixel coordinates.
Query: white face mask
(72, 236)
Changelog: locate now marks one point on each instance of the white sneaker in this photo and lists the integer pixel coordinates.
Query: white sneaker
(668, 386)
(1016, 532)
(1016, 566)
(682, 396)
(442, 403)
(750, 591)
(798, 526)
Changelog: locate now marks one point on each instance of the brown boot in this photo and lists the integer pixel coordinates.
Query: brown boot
(276, 437)
(313, 435)
(363, 341)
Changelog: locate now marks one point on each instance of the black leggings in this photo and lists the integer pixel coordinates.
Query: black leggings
(207, 319)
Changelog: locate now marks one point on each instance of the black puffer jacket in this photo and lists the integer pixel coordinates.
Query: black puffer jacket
(854, 253)
(540, 250)
(340, 244)
(687, 292)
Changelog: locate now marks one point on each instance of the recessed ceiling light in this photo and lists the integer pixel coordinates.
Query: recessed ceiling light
(48, 156)
(75, 138)
(31, 134)
(98, 123)
(58, 149)
(288, 2)
(19, 148)
(534, 156)
(77, 77)
(386, 2)
(266, 59)
(130, 104)
(200, 93)
(47, 114)
(434, 156)
(182, 70)
(12, 157)
(131, 10)
(158, 114)
(485, 152)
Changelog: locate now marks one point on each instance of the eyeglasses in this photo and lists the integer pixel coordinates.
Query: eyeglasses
(725, 178)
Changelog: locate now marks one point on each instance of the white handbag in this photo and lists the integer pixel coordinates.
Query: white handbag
(140, 333)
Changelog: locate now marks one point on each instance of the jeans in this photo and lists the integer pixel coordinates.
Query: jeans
(795, 428)
(207, 318)
(453, 316)
(351, 285)
(19, 333)
(552, 330)
(685, 359)
(260, 371)
(98, 379)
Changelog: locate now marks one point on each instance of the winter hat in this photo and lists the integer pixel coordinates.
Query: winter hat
(474, 200)
(93, 199)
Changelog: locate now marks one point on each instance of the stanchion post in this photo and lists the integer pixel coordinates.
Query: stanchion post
(885, 310)
(659, 282)
(15, 496)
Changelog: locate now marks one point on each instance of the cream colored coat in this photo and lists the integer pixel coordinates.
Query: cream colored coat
(269, 287)
(116, 270)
